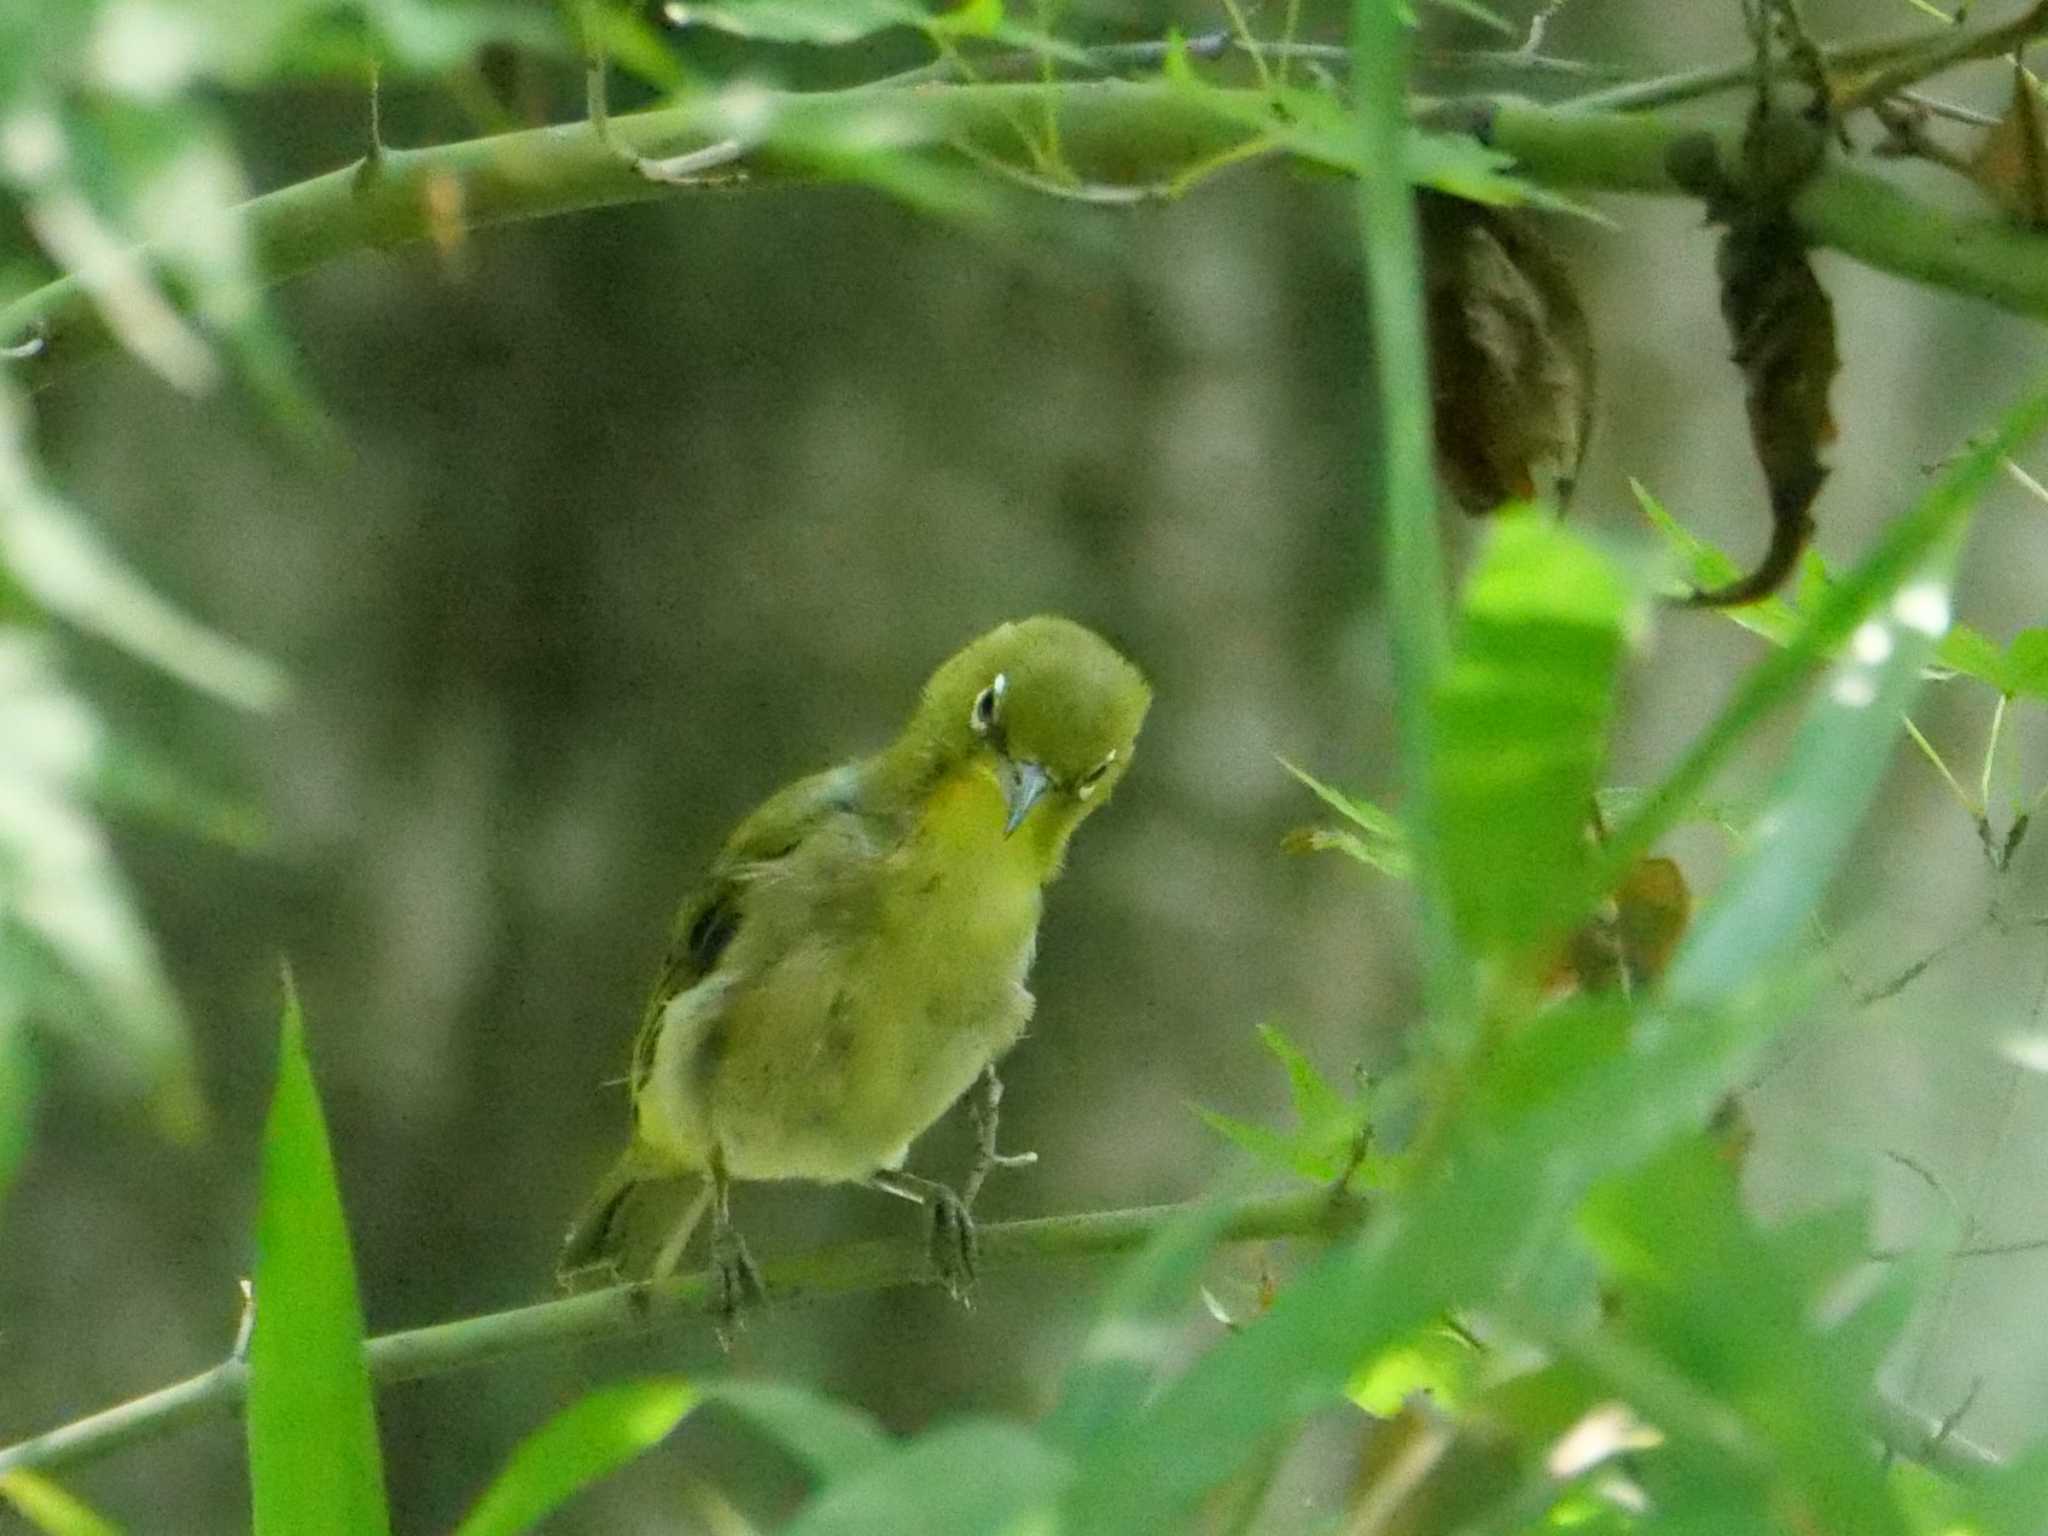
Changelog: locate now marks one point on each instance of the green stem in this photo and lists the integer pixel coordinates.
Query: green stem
(1112, 131)
(1400, 448)
(620, 1311)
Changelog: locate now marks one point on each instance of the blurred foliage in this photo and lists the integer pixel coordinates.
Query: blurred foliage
(1540, 1299)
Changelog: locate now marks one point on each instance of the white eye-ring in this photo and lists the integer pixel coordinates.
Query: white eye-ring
(988, 706)
(1093, 776)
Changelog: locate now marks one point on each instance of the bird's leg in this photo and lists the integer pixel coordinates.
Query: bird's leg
(984, 1104)
(953, 1246)
(735, 1282)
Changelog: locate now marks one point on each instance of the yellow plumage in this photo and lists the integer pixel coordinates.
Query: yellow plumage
(856, 959)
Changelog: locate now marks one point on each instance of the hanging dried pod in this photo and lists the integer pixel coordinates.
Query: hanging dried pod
(1511, 355)
(1781, 321)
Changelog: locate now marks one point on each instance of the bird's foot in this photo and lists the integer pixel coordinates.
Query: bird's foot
(984, 1113)
(735, 1282)
(954, 1246)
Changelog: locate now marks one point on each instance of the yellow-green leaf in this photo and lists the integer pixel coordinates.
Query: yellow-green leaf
(575, 1448)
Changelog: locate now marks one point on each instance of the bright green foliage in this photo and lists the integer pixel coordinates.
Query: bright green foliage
(1123, 1356)
(830, 1439)
(1330, 1129)
(50, 1509)
(1438, 1360)
(576, 1447)
(972, 1477)
(314, 1464)
(1742, 1317)
(1521, 724)
(1374, 837)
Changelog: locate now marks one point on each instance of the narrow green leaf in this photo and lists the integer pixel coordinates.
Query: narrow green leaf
(1400, 444)
(1708, 568)
(1132, 1342)
(67, 924)
(831, 1439)
(1266, 1146)
(1521, 721)
(974, 1477)
(314, 1464)
(1904, 549)
(50, 1509)
(584, 1442)
(1315, 1102)
(1363, 814)
(66, 566)
(1757, 915)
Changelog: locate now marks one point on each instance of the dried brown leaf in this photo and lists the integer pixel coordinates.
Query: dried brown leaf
(1511, 356)
(1782, 324)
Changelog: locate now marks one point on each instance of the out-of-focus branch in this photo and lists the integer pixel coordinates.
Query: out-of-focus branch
(1112, 132)
(625, 1310)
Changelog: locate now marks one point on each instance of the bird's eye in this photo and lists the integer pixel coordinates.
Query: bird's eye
(1093, 777)
(988, 706)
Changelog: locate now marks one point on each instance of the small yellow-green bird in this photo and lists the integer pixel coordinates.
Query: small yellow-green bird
(856, 959)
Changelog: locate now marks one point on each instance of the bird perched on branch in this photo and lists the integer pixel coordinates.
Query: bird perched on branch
(855, 961)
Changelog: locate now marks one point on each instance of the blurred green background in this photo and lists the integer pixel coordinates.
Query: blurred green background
(634, 515)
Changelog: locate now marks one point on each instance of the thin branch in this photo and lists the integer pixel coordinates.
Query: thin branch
(624, 1310)
(1112, 132)
(1951, 50)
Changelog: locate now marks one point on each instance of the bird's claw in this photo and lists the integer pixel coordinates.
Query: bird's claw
(735, 1282)
(954, 1246)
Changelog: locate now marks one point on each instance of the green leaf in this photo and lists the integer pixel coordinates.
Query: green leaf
(584, 1442)
(1735, 1313)
(1455, 1235)
(1708, 568)
(1379, 843)
(1316, 1103)
(1819, 796)
(826, 23)
(18, 1082)
(2027, 664)
(1124, 1354)
(49, 1508)
(314, 1464)
(1270, 1148)
(1902, 552)
(64, 565)
(1439, 1361)
(1971, 653)
(1521, 722)
(73, 952)
(973, 1477)
(834, 1441)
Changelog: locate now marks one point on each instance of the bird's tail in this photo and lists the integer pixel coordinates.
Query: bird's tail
(610, 1239)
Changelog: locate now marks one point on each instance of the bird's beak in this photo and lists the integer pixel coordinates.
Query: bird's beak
(1023, 783)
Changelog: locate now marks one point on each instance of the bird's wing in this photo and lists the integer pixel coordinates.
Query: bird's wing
(707, 923)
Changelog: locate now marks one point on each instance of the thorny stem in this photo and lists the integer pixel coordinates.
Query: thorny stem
(624, 1310)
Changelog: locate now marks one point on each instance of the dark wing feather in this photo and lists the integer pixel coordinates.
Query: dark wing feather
(710, 920)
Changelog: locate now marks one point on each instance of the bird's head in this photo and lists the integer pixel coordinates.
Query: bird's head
(1044, 705)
